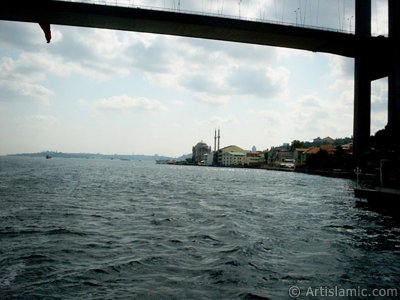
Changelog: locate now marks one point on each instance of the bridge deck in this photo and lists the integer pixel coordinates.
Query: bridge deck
(197, 26)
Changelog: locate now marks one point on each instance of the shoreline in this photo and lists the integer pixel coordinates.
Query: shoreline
(327, 173)
(330, 173)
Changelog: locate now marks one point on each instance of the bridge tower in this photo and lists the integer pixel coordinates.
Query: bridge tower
(363, 74)
(362, 84)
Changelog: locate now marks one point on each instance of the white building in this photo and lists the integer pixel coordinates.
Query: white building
(236, 156)
(233, 158)
(209, 159)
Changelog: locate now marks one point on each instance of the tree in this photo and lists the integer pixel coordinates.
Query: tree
(320, 160)
(339, 151)
(296, 144)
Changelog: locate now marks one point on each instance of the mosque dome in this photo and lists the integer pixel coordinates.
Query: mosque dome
(201, 145)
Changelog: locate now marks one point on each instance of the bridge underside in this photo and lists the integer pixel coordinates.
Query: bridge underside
(198, 26)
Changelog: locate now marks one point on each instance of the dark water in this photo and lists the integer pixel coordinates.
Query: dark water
(96, 229)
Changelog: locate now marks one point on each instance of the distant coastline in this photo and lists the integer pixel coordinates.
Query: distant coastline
(55, 154)
(179, 161)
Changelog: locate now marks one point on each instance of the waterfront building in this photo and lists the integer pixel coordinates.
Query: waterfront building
(254, 159)
(279, 155)
(299, 157)
(209, 159)
(199, 151)
(329, 149)
(348, 148)
(231, 156)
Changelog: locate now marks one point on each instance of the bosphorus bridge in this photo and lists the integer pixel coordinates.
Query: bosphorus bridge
(375, 57)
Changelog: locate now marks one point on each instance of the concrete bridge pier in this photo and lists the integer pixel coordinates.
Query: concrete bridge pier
(362, 84)
(362, 108)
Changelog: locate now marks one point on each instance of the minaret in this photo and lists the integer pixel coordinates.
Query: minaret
(219, 137)
(215, 140)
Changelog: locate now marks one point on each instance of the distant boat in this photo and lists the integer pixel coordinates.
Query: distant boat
(48, 156)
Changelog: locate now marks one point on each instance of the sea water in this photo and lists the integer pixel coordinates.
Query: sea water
(110, 229)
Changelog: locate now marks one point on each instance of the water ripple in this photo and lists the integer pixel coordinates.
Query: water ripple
(96, 229)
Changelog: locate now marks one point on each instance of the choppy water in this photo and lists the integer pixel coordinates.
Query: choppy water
(97, 229)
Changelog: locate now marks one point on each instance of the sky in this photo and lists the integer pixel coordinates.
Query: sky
(105, 91)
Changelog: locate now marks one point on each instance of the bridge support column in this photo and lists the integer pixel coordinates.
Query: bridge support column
(362, 85)
(394, 73)
(362, 108)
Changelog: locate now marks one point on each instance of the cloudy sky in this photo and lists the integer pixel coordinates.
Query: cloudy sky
(95, 90)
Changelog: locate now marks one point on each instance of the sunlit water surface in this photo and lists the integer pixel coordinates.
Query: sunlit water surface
(109, 229)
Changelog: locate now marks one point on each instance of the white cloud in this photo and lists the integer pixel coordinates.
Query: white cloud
(379, 95)
(181, 63)
(380, 17)
(23, 77)
(257, 81)
(23, 91)
(316, 116)
(20, 36)
(126, 103)
(36, 66)
(342, 75)
(341, 72)
(98, 53)
(379, 104)
(216, 73)
(20, 81)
